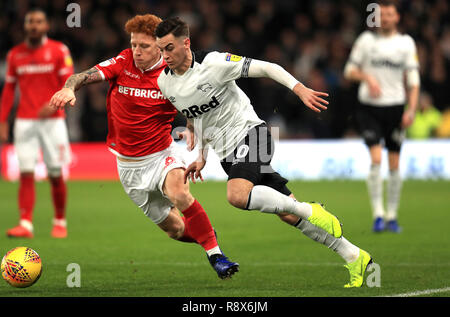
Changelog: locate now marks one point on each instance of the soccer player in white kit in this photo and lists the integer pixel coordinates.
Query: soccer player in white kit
(39, 67)
(202, 86)
(380, 61)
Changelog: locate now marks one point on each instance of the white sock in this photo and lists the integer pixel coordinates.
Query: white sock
(60, 222)
(375, 189)
(348, 251)
(394, 186)
(268, 200)
(215, 250)
(27, 224)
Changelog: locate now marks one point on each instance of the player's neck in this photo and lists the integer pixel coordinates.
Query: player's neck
(180, 70)
(35, 42)
(388, 32)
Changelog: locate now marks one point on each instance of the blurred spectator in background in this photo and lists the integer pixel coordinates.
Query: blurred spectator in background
(311, 39)
(427, 121)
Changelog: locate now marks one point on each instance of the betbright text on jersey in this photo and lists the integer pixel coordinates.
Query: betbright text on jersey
(39, 72)
(139, 116)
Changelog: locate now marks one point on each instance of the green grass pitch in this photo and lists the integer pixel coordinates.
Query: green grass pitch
(122, 253)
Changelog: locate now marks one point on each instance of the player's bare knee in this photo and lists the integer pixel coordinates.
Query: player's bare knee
(181, 197)
(237, 198)
(175, 232)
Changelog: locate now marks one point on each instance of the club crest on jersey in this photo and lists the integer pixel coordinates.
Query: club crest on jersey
(233, 58)
(204, 87)
(194, 111)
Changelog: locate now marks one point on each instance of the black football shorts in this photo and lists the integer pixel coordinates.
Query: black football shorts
(377, 124)
(251, 160)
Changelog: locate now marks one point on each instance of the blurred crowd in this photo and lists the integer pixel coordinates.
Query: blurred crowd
(310, 39)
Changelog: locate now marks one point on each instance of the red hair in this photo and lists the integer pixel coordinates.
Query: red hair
(143, 24)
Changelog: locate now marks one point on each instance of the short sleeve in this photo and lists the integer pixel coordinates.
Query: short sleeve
(65, 63)
(227, 66)
(357, 54)
(412, 59)
(11, 75)
(112, 67)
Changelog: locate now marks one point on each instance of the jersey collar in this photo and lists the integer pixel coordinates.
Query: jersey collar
(156, 65)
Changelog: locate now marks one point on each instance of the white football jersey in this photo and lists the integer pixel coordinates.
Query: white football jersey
(387, 59)
(208, 95)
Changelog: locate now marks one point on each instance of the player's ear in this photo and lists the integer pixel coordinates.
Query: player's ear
(187, 42)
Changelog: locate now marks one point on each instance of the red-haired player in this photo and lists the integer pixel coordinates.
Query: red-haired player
(150, 164)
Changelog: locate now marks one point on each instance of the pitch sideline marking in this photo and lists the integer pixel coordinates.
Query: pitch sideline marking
(420, 293)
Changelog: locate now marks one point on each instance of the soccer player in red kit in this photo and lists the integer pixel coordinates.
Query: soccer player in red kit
(39, 66)
(150, 164)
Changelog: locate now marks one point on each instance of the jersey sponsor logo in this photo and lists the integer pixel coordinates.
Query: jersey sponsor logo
(35, 69)
(233, 58)
(195, 110)
(143, 93)
(385, 63)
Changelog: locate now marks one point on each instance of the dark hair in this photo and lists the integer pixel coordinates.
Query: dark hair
(388, 3)
(175, 25)
(35, 10)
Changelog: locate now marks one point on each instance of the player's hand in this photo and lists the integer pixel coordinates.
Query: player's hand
(4, 132)
(311, 98)
(46, 111)
(193, 171)
(408, 118)
(374, 87)
(63, 97)
(189, 136)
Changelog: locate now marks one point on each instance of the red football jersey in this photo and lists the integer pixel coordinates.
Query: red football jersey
(139, 116)
(40, 72)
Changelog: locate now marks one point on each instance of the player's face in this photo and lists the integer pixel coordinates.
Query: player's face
(389, 18)
(145, 51)
(36, 25)
(174, 50)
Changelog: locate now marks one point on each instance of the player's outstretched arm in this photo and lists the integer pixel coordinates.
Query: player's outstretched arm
(311, 98)
(67, 94)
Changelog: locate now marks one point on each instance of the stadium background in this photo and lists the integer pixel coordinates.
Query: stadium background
(311, 39)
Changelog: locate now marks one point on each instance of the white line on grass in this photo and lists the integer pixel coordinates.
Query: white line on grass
(420, 293)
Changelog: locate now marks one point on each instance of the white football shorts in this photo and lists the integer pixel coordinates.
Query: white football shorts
(49, 135)
(143, 181)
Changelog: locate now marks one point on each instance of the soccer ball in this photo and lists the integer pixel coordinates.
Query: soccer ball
(21, 267)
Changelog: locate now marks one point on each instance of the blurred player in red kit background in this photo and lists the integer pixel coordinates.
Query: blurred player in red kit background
(39, 66)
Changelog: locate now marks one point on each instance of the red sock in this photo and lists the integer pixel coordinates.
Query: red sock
(186, 235)
(27, 196)
(198, 227)
(59, 196)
